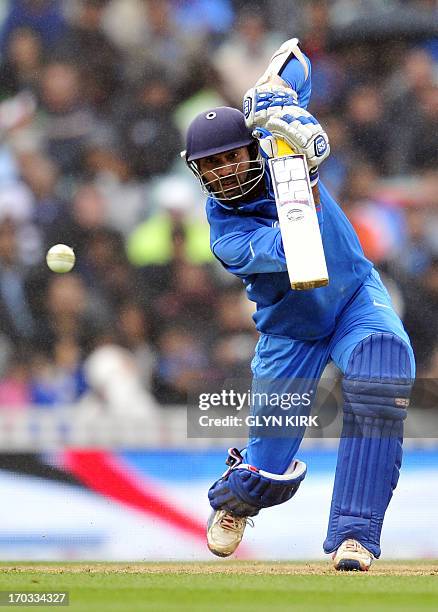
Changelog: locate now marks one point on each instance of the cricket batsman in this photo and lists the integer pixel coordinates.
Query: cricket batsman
(350, 322)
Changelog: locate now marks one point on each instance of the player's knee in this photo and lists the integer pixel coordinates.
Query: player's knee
(379, 377)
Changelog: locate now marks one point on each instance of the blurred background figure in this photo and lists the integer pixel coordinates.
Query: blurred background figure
(68, 117)
(243, 57)
(57, 376)
(151, 139)
(16, 317)
(22, 62)
(115, 383)
(86, 45)
(44, 17)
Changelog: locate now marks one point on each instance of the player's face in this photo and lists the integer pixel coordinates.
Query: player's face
(225, 173)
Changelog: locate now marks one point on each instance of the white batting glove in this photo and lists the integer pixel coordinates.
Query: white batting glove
(265, 101)
(274, 107)
(302, 132)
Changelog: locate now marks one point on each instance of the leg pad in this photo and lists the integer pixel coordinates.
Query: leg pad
(376, 388)
(244, 490)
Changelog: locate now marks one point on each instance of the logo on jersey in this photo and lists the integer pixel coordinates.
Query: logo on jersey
(376, 303)
(320, 146)
(247, 107)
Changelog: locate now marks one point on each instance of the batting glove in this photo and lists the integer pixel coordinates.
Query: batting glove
(265, 101)
(303, 133)
(275, 108)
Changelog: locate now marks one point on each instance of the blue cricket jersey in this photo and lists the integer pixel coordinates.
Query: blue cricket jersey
(247, 241)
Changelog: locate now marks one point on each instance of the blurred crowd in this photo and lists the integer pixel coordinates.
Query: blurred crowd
(95, 98)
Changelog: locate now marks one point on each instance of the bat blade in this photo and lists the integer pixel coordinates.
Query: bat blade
(298, 222)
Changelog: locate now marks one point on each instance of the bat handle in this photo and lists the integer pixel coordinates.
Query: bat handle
(283, 148)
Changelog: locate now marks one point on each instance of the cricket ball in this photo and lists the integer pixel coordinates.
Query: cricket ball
(60, 258)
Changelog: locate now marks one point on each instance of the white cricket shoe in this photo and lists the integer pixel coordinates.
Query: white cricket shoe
(351, 556)
(225, 532)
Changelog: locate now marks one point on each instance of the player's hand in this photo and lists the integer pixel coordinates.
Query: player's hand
(274, 107)
(303, 133)
(266, 101)
(267, 142)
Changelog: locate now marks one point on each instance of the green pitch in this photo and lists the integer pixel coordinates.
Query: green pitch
(228, 586)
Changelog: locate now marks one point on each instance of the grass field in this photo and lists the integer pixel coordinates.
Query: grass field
(228, 586)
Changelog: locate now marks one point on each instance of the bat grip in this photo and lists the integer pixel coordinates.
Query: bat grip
(283, 148)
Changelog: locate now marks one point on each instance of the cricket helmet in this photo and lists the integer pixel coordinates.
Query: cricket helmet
(216, 131)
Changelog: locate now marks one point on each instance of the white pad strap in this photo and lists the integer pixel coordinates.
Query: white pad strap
(296, 469)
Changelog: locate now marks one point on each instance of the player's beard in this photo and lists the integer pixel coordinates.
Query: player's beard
(240, 181)
(232, 185)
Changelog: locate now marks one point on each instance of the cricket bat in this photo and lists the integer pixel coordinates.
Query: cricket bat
(298, 220)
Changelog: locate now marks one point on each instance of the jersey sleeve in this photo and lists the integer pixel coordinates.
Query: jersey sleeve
(294, 75)
(254, 252)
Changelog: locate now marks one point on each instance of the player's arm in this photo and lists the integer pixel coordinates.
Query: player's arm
(255, 252)
(296, 75)
(291, 68)
(278, 101)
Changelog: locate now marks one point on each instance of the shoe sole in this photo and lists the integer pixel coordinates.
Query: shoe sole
(219, 554)
(350, 565)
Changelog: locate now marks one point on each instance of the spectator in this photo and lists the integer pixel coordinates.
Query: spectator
(191, 297)
(69, 120)
(405, 92)
(381, 227)
(124, 22)
(50, 211)
(234, 338)
(336, 168)
(175, 231)
(202, 88)
(43, 16)
(57, 378)
(86, 45)
(202, 17)
(86, 213)
(111, 172)
(367, 125)
(151, 137)
(116, 387)
(243, 58)
(133, 328)
(67, 314)
(425, 153)
(22, 65)
(105, 268)
(16, 318)
(14, 384)
(420, 296)
(182, 365)
(163, 42)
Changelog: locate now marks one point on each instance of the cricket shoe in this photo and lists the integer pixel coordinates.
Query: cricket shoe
(225, 532)
(351, 556)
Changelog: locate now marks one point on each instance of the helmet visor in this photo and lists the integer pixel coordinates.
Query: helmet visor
(232, 181)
